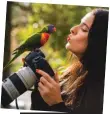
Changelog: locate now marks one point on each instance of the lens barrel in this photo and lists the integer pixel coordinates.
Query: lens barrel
(17, 84)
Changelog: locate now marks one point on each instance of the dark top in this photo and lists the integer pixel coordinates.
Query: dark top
(89, 101)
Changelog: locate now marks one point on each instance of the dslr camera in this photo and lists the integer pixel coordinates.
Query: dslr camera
(22, 80)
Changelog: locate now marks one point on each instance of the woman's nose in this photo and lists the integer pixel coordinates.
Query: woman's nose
(74, 29)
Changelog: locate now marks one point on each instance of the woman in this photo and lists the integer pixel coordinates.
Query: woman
(80, 90)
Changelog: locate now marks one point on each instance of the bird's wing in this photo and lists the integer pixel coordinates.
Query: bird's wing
(32, 42)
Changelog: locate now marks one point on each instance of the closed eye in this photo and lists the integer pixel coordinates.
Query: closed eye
(84, 28)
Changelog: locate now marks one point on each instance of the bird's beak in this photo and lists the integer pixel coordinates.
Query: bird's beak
(54, 29)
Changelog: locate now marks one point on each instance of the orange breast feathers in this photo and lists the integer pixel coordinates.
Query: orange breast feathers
(44, 38)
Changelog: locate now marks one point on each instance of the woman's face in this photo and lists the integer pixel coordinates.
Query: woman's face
(77, 40)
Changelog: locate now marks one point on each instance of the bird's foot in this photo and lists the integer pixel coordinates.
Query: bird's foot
(23, 60)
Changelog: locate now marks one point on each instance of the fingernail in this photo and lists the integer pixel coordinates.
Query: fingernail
(37, 70)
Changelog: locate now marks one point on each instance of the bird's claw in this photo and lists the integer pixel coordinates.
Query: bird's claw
(23, 60)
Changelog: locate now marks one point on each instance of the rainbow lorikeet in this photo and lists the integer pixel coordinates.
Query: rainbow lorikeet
(35, 41)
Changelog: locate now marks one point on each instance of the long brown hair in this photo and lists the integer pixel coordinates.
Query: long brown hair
(71, 80)
(74, 76)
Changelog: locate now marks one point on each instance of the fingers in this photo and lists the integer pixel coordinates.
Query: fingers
(45, 75)
(41, 86)
(56, 77)
(46, 83)
(44, 87)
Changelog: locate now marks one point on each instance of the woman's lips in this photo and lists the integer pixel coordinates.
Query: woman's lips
(68, 38)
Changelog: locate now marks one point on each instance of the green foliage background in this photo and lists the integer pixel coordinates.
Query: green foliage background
(28, 18)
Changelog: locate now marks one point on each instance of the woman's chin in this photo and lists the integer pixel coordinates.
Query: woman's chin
(67, 46)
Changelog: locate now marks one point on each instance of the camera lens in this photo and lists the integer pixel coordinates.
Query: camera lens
(17, 84)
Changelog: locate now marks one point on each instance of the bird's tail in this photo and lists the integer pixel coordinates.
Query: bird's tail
(17, 54)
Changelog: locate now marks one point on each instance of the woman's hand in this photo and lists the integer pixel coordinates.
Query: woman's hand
(49, 88)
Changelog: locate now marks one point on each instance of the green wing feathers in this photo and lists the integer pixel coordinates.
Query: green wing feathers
(17, 53)
(31, 43)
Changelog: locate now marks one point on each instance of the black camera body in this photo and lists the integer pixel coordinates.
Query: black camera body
(22, 80)
(36, 60)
